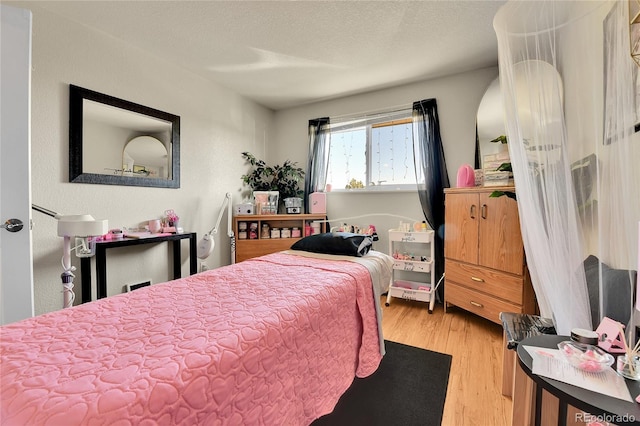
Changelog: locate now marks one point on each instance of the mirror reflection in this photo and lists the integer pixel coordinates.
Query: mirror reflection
(145, 156)
(118, 142)
(490, 120)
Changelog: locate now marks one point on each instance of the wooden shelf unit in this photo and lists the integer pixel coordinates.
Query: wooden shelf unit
(249, 248)
(414, 278)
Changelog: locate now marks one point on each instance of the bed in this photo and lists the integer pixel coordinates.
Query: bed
(271, 340)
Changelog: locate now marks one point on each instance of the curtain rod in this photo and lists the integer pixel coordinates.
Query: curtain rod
(371, 113)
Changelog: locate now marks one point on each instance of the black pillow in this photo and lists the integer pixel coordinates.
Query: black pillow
(343, 243)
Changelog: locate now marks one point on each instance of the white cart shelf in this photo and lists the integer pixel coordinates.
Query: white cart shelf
(413, 277)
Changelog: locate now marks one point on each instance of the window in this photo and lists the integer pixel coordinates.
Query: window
(374, 156)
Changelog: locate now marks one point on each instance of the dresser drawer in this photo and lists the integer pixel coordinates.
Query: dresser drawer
(481, 304)
(489, 281)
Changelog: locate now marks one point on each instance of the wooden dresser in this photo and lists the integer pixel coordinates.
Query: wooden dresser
(485, 268)
(246, 247)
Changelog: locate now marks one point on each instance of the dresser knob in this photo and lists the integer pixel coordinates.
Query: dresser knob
(476, 304)
(476, 279)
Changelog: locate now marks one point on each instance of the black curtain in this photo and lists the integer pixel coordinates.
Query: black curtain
(319, 141)
(431, 174)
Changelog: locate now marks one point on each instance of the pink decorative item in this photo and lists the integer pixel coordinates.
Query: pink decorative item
(172, 218)
(610, 336)
(466, 177)
(402, 284)
(116, 234)
(585, 357)
(155, 226)
(318, 202)
(315, 228)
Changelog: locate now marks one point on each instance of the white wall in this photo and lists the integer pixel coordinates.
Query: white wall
(216, 126)
(458, 97)
(103, 145)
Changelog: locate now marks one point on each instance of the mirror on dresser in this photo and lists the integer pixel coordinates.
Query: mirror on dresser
(117, 142)
(490, 122)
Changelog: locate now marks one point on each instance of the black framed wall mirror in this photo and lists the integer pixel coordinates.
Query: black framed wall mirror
(117, 142)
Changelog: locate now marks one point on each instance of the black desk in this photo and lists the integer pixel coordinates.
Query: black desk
(101, 260)
(613, 410)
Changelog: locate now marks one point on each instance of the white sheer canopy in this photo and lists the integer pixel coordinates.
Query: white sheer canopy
(569, 88)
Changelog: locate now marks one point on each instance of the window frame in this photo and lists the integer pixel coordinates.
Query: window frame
(369, 126)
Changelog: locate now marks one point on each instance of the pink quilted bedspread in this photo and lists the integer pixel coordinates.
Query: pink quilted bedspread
(273, 341)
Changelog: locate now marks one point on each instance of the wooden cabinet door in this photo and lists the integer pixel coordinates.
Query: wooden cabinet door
(499, 233)
(461, 227)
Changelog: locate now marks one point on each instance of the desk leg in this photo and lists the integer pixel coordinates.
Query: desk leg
(538, 404)
(177, 265)
(562, 414)
(193, 250)
(85, 278)
(101, 272)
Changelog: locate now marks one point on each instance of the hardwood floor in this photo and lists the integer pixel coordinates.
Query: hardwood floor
(474, 394)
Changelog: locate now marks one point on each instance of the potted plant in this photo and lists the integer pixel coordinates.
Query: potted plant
(504, 167)
(284, 178)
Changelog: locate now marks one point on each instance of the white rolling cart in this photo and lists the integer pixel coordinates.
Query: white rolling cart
(413, 276)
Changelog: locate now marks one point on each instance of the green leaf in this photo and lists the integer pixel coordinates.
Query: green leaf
(509, 194)
(505, 167)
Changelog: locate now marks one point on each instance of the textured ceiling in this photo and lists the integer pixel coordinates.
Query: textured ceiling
(287, 53)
